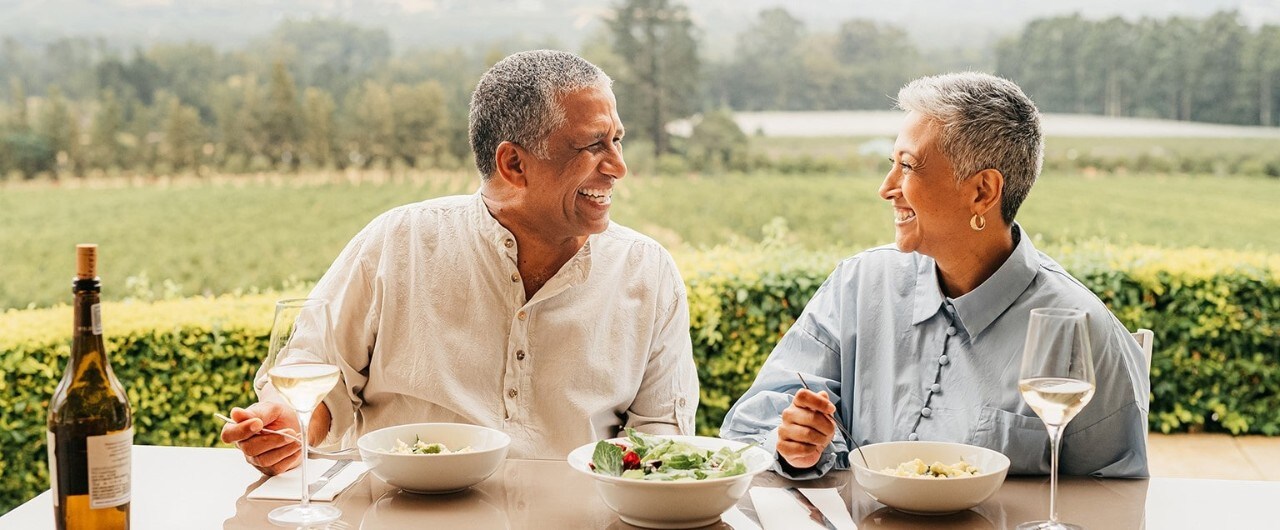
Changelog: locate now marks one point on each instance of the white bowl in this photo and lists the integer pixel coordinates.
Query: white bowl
(924, 495)
(440, 473)
(685, 504)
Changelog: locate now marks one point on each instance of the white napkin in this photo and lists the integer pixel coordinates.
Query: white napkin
(778, 510)
(738, 520)
(288, 485)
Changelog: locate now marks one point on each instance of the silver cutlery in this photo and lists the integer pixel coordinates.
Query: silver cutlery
(332, 472)
(815, 514)
(347, 454)
(843, 432)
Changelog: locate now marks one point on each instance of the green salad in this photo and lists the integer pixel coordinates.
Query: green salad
(652, 458)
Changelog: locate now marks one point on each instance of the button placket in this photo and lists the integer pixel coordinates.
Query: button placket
(926, 411)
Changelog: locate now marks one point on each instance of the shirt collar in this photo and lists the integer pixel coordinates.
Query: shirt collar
(977, 309)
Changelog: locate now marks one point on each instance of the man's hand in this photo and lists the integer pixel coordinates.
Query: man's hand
(806, 429)
(272, 454)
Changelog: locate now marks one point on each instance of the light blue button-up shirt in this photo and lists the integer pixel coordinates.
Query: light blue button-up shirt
(902, 361)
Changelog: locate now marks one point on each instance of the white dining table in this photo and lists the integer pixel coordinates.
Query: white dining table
(198, 488)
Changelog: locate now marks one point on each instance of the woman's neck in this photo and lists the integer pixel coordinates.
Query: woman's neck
(962, 271)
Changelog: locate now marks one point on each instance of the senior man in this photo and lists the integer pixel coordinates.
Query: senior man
(521, 307)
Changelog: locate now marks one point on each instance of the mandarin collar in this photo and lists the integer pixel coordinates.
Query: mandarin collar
(977, 309)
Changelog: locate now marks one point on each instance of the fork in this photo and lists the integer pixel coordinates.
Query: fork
(843, 432)
(343, 454)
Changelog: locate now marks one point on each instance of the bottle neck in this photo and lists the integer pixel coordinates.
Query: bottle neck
(86, 343)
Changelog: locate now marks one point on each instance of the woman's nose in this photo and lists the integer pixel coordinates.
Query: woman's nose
(889, 185)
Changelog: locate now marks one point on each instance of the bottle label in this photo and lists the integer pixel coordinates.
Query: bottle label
(53, 467)
(96, 311)
(110, 463)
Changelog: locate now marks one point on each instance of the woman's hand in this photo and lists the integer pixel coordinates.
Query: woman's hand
(807, 428)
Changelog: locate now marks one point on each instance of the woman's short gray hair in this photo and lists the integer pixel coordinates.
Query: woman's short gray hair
(987, 123)
(517, 100)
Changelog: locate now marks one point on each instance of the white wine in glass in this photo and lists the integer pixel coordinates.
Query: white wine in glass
(1057, 382)
(300, 365)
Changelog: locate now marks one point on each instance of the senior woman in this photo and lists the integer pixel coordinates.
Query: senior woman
(924, 341)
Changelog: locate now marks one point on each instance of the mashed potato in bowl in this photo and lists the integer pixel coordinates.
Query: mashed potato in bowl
(917, 468)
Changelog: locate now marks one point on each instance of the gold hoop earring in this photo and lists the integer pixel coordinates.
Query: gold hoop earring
(977, 222)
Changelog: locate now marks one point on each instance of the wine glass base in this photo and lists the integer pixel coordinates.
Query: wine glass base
(1048, 525)
(299, 515)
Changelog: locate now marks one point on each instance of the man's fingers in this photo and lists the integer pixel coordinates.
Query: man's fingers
(275, 456)
(258, 445)
(247, 427)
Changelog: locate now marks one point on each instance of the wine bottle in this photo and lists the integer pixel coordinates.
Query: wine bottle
(90, 422)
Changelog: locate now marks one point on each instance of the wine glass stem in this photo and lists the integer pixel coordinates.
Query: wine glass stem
(1055, 440)
(304, 421)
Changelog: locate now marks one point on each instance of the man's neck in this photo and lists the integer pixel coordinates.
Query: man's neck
(538, 256)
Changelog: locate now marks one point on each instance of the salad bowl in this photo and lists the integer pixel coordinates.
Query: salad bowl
(678, 499)
(434, 473)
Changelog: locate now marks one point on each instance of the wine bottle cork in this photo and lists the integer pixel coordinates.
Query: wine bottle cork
(86, 261)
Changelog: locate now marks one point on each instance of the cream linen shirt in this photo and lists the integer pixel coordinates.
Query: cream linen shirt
(432, 325)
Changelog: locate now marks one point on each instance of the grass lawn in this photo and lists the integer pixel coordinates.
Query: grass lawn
(238, 234)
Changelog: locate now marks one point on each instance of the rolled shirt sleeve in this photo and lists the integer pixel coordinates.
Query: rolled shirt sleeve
(668, 397)
(809, 347)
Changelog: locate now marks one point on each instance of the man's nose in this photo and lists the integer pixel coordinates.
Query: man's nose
(613, 165)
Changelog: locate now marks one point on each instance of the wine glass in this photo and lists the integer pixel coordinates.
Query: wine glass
(300, 364)
(1057, 381)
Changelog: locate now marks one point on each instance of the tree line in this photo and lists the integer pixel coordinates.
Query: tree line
(1214, 69)
(329, 94)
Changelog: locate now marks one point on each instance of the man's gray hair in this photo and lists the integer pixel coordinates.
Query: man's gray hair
(517, 101)
(987, 123)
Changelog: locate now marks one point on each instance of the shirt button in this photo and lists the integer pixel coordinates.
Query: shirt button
(935, 388)
(515, 276)
(681, 402)
(913, 437)
(522, 315)
(942, 359)
(520, 355)
(509, 243)
(926, 412)
(512, 393)
(951, 330)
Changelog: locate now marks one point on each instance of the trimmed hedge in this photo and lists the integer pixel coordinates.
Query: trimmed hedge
(1215, 314)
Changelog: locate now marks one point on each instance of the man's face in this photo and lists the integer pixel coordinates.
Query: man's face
(569, 192)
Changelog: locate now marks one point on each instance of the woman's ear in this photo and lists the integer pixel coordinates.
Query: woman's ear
(511, 159)
(988, 192)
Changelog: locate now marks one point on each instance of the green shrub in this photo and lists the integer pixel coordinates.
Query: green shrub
(1215, 314)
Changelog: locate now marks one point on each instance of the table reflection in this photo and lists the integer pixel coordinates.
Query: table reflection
(890, 519)
(465, 509)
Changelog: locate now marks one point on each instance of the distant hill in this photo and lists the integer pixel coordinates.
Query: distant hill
(933, 24)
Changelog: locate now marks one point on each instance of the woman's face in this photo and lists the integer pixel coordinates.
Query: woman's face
(931, 211)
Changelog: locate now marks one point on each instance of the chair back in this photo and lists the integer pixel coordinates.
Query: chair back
(1146, 339)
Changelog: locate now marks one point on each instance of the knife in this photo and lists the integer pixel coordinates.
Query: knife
(324, 479)
(815, 514)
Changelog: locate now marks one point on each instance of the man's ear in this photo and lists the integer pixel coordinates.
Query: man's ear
(988, 192)
(511, 163)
